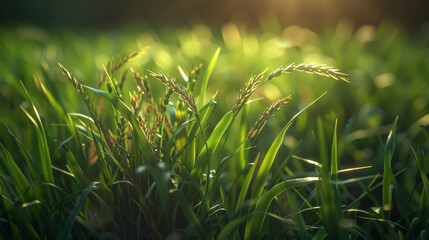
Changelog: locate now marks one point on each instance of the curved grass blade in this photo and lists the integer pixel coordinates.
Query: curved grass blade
(231, 226)
(28, 158)
(330, 209)
(45, 158)
(264, 202)
(268, 161)
(334, 155)
(206, 77)
(21, 227)
(19, 180)
(65, 234)
(245, 187)
(388, 177)
(189, 214)
(212, 143)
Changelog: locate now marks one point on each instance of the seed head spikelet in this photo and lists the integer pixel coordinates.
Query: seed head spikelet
(245, 92)
(259, 124)
(143, 86)
(91, 107)
(113, 65)
(160, 115)
(178, 89)
(320, 69)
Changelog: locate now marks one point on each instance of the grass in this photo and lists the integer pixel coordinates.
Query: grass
(152, 144)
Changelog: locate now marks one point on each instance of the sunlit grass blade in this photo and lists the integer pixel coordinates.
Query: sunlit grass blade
(331, 212)
(74, 168)
(387, 170)
(45, 158)
(268, 161)
(245, 187)
(212, 143)
(334, 154)
(207, 75)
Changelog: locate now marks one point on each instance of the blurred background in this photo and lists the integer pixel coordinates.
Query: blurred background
(313, 14)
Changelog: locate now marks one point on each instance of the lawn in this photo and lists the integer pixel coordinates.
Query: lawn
(203, 133)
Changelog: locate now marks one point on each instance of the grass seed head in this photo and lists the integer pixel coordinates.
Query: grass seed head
(259, 124)
(320, 69)
(246, 92)
(178, 89)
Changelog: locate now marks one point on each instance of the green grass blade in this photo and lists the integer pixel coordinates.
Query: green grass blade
(206, 78)
(193, 220)
(230, 227)
(74, 168)
(299, 219)
(21, 227)
(387, 170)
(161, 178)
(331, 212)
(212, 143)
(45, 158)
(334, 154)
(19, 180)
(65, 234)
(269, 159)
(244, 188)
(263, 204)
(422, 214)
(126, 112)
(28, 158)
(101, 157)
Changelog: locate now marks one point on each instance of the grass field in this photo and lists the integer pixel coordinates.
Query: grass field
(196, 133)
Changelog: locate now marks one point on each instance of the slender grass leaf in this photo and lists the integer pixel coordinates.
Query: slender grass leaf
(387, 170)
(244, 188)
(330, 209)
(212, 143)
(161, 178)
(334, 154)
(207, 75)
(68, 226)
(264, 202)
(298, 216)
(28, 158)
(19, 180)
(424, 199)
(45, 158)
(268, 161)
(21, 227)
(231, 226)
(189, 214)
(101, 157)
(74, 168)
